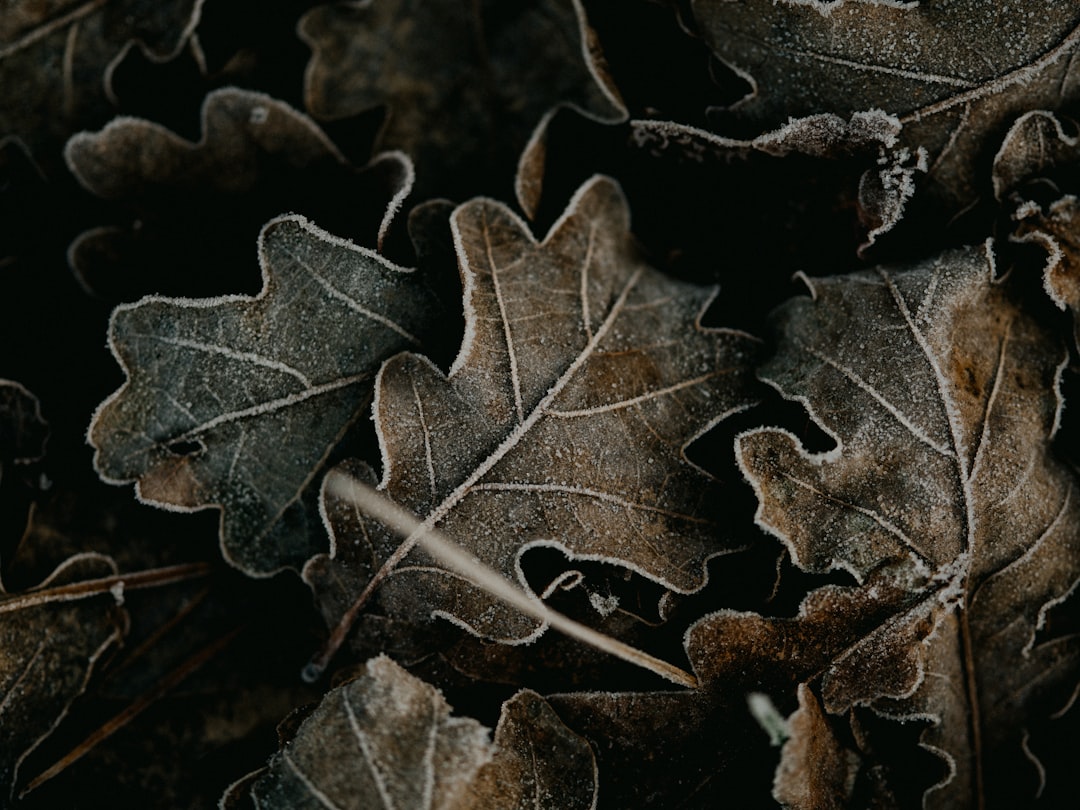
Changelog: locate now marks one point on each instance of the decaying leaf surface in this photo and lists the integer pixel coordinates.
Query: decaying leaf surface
(952, 72)
(583, 375)
(257, 157)
(387, 739)
(56, 60)
(236, 402)
(50, 638)
(466, 85)
(942, 497)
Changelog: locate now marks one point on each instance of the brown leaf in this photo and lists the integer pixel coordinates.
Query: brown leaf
(951, 72)
(1056, 227)
(583, 376)
(386, 739)
(236, 402)
(815, 772)
(50, 638)
(1036, 146)
(467, 86)
(257, 157)
(57, 58)
(942, 497)
(1038, 149)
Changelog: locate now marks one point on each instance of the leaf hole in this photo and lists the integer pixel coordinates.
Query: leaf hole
(186, 447)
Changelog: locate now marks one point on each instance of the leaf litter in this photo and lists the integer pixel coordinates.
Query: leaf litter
(915, 642)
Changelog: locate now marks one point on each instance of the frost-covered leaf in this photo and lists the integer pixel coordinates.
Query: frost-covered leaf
(951, 72)
(257, 157)
(50, 638)
(466, 86)
(816, 772)
(942, 497)
(1057, 227)
(57, 59)
(386, 739)
(236, 402)
(1039, 150)
(583, 376)
(1036, 146)
(887, 181)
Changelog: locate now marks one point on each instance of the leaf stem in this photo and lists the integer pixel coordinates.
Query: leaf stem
(453, 556)
(151, 578)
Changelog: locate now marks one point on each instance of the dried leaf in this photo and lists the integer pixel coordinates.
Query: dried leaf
(952, 72)
(57, 59)
(50, 638)
(583, 376)
(257, 157)
(887, 182)
(386, 739)
(815, 771)
(942, 497)
(236, 402)
(1038, 148)
(466, 85)
(1035, 146)
(1056, 227)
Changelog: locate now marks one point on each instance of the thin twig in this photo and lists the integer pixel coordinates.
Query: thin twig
(150, 578)
(134, 709)
(453, 556)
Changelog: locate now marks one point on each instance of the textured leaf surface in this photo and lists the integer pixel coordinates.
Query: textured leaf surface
(1042, 150)
(257, 157)
(56, 59)
(466, 85)
(50, 638)
(942, 496)
(236, 402)
(583, 375)
(386, 739)
(952, 72)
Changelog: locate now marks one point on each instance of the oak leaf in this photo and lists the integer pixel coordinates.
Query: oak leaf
(257, 157)
(465, 85)
(942, 497)
(886, 176)
(237, 402)
(583, 375)
(51, 636)
(386, 739)
(57, 59)
(951, 72)
(1042, 149)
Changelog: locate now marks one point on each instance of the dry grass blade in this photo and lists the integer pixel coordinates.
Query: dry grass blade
(450, 554)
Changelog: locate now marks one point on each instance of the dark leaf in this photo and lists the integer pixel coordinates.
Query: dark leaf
(386, 739)
(257, 157)
(466, 86)
(50, 638)
(237, 402)
(57, 57)
(953, 73)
